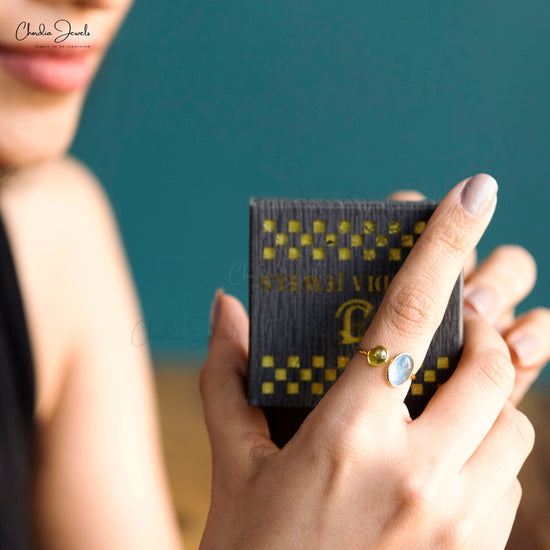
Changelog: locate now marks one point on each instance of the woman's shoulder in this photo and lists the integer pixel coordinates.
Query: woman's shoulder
(52, 211)
(60, 184)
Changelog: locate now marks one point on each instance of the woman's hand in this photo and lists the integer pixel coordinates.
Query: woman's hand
(493, 290)
(359, 474)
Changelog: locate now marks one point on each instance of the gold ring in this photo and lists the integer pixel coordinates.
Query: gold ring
(399, 369)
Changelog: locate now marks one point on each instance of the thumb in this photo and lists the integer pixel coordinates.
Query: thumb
(234, 427)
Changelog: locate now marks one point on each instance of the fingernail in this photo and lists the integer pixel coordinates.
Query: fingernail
(215, 311)
(467, 310)
(478, 194)
(524, 346)
(481, 300)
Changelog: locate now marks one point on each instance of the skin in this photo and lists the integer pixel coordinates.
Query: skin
(94, 386)
(359, 474)
(98, 445)
(99, 478)
(508, 274)
(39, 124)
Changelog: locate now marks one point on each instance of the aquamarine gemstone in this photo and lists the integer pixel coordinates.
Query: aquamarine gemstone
(400, 369)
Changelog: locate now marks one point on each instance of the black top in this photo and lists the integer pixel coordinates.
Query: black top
(16, 409)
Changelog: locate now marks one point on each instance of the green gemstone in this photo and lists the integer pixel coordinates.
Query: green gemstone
(377, 356)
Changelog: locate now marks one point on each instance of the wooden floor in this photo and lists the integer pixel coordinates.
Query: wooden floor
(187, 456)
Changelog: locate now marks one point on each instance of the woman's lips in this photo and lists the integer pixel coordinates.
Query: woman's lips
(53, 69)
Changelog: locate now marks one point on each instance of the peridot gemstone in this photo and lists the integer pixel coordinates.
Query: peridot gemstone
(377, 356)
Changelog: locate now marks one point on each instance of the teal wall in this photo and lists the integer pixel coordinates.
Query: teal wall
(201, 104)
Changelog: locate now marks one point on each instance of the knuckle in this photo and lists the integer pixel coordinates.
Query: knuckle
(496, 372)
(521, 429)
(540, 316)
(513, 250)
(516, 490)
(450, 238)
(456, 532)
(412, 309)
(519, 255)
(418, 493)
(513, 268)
(337, 438)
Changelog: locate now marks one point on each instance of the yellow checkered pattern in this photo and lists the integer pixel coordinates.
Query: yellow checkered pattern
(289, 374)
(293, 375)
(306, 241)
(430, 377)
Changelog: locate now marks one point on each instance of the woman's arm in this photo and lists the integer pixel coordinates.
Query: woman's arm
(99, 478)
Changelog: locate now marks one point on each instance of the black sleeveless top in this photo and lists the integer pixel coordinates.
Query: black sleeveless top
(16, 409)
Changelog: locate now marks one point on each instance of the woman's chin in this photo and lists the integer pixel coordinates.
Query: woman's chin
(14, 154)
(36, 136)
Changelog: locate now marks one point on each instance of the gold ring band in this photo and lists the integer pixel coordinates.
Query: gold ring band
(400, 368)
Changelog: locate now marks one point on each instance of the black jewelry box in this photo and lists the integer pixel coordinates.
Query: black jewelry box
(318, 272)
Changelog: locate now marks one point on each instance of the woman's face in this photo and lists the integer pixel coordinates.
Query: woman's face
(45, 70)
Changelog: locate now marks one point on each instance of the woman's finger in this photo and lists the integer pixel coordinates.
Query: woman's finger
(463, 410)
(529, 344)
(412, 195)
(414, 305)
(470, 265)
(499, 525)
(233, 426)
(408, 195)
(505, 321)
(505, 448)
(500, 282)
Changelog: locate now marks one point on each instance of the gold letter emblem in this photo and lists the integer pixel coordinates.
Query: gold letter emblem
(345, 311)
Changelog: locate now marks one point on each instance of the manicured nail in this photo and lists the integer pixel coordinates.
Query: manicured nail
(467, 310)
(478, 194)
(215, 310)
(524, 346)
(482, 300)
